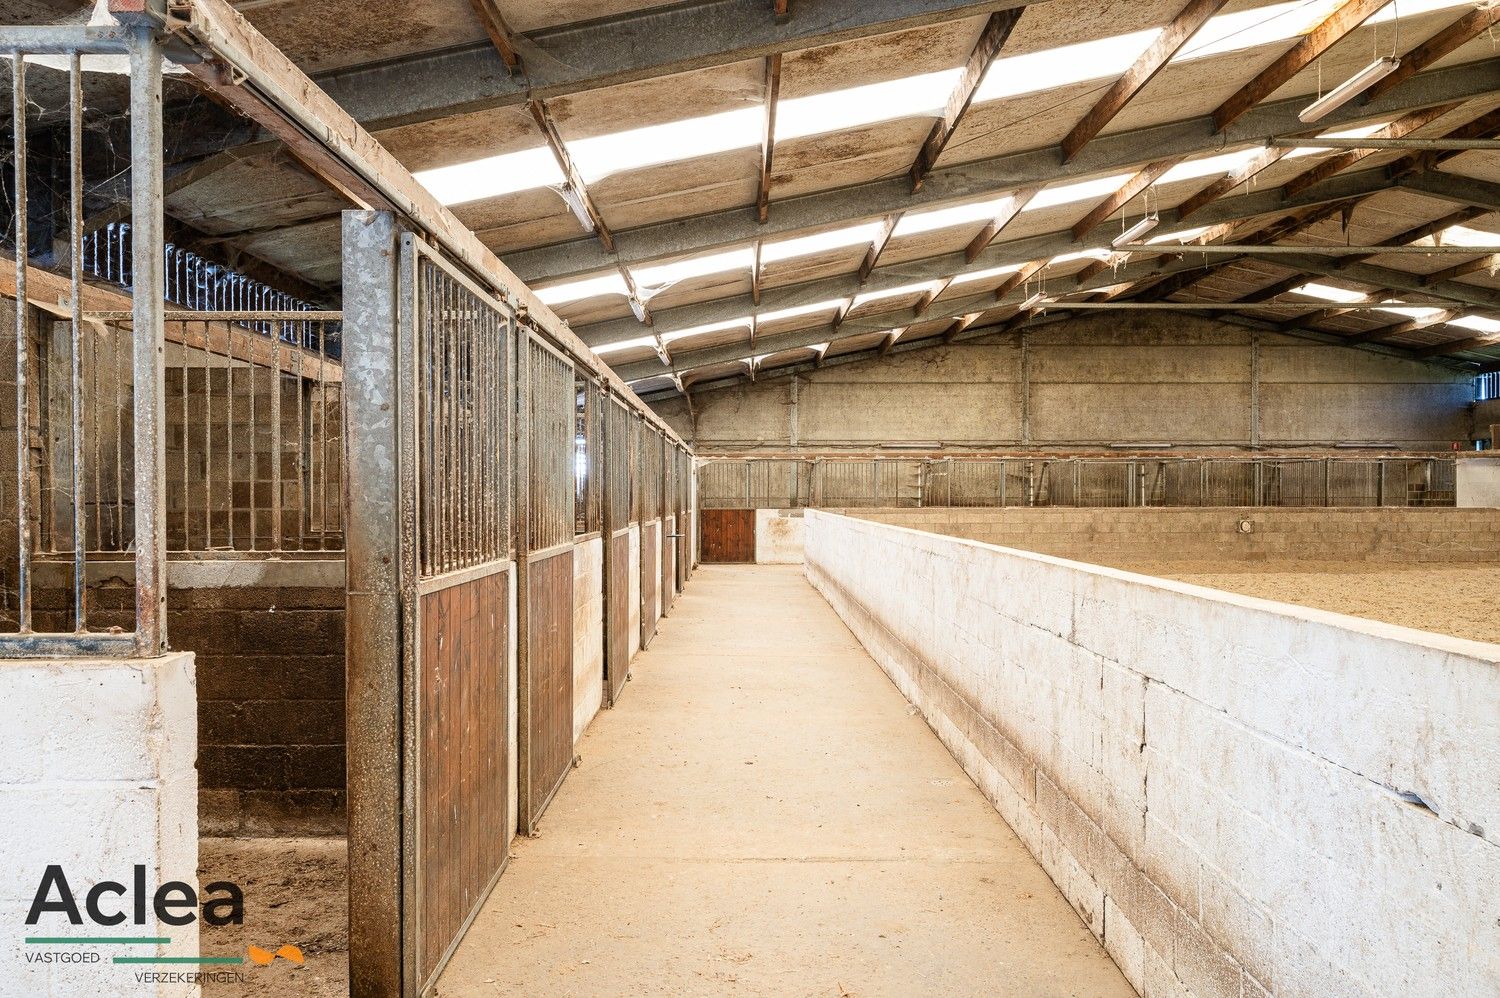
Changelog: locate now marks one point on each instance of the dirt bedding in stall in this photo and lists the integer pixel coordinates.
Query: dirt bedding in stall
(1460, 600)
(295, 893)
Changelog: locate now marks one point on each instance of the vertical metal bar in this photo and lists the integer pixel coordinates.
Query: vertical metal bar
(23, 463)
(276, 544)
(148, 294)
(75, 377)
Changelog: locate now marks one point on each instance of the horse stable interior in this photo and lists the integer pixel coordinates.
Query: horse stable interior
(820, 497)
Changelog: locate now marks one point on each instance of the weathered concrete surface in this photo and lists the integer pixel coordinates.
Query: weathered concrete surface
(763, 814)
(1479, 483)
(1241, 797)
(778, 537)
(96, 776)
(1100, 380)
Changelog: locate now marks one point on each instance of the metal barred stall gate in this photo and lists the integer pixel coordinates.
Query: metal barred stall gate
(618, 478)
(431, 569)
(649, 513)
(545, 499)
(668, 528)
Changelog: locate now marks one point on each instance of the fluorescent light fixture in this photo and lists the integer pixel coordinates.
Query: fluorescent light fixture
(589, 287)
(492, 176)
(1349, 89)
(1137, 230)
(1037, 299)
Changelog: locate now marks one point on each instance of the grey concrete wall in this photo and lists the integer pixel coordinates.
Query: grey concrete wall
(1479, 483)
(1096, 381)
(1238, 797)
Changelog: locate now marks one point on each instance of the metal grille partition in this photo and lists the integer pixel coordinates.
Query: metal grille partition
(837, 483)
(431, 573)
(618, 447)
(545, 662)
(649, 488)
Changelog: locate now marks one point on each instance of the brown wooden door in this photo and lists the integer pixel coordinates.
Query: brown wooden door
(728, 535)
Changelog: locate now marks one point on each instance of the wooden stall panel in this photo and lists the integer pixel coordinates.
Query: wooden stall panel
(728, 535)
(650, 580)
(617, 617)
(550, 675)
(463, 716)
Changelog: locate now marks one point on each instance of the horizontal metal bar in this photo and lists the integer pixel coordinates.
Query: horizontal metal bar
(63, 39)
(448, 580)
(1242, 249)
(1373, 143)
(67, 646)
(183, 315)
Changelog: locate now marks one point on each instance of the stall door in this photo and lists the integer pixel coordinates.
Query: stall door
(728, 535)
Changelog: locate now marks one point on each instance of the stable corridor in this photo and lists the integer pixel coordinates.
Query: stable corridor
(764, 813)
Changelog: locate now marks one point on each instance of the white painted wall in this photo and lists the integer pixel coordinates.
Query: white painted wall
(1212, 780)
(1479, 482)
(96, 775)
(778, 536)
(588, 633)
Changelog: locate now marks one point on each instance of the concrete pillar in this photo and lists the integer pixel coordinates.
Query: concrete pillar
(97, 778)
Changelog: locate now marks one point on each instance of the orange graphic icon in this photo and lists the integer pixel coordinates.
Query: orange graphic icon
(263, 957)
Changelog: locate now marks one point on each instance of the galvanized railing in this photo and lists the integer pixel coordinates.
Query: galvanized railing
(834, 483)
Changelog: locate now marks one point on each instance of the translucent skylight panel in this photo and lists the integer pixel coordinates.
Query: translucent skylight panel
(743, 322)
(636, 148)
(1210, 166)
(644, 341)
(853, 235)
(659, 277)
(915, 222)
(1032, 72)
(1477, 323)
(589, 287)
(905, 289)
(986, 275)
(1328, 292)
(492, 176)
(1082, 190)
(800, 310)
(912, 96)
(1462, 235)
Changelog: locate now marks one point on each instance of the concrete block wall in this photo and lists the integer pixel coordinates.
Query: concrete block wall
(269, 637)
(1120, 536)
(1091, 382)
(778, 537)
(588, 632)
(96, 776)
(1237, 797)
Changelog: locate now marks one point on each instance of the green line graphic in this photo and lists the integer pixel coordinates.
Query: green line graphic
(179, 959)
(94, 940)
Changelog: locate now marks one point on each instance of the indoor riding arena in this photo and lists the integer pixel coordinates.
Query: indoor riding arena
(750, 497)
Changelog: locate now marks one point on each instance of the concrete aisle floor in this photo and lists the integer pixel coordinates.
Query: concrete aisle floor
(764, 814)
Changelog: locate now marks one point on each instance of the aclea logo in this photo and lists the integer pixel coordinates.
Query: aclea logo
(106, 903)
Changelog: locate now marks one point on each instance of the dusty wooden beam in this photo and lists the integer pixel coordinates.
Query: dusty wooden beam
(1484, 126)
(1230, 181)
(1333, 165)
(1349, 15)
(575, 191)
(991, 40)
(781, 10)
(768, 138)
(489, 15)
(1484, 265)
(1473, 24)
(1459, 346)
(959, 325)
(877, 247)
(1157, 55)
(1402, 328)
(1020, 277)
(1014, 205)
(1136, 185)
